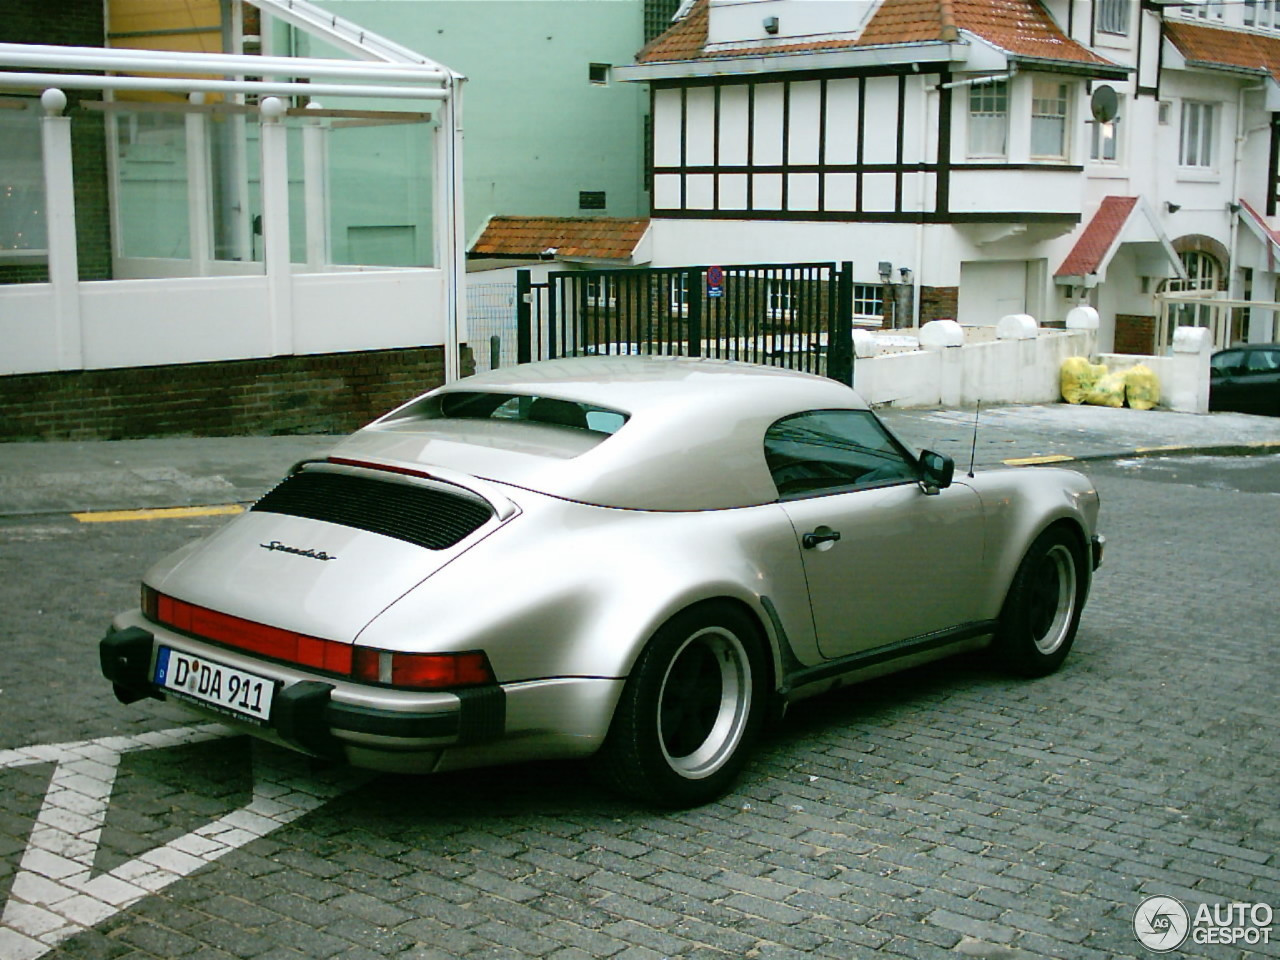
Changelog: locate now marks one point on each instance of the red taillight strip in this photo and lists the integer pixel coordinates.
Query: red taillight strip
(417, 671)
(286, 645)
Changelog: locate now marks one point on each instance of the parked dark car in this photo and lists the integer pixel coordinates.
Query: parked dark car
(1246, 379)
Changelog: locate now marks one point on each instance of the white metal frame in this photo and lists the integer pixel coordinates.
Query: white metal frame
(384, 70)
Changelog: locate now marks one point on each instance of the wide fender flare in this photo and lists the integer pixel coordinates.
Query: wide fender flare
(1018, 506)
(586, 601)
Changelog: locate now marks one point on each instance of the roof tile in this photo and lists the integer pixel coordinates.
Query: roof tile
(1097, 238)
(1225, 47)
(1020, 27)
(592, 238)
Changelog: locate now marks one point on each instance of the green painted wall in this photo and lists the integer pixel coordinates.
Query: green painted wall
(537, 130)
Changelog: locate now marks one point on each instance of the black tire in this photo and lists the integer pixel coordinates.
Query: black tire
(1042, 611)
(690, 711)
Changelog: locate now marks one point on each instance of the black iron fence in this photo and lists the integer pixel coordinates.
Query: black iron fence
(797, 315)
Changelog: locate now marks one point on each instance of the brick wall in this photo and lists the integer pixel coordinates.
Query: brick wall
(70, 23)
(1135, 334)
(938, 303)
(330, 393)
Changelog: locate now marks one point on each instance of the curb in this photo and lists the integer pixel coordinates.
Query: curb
(1256, 448)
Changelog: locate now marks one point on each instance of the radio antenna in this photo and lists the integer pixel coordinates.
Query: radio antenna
(973, 450)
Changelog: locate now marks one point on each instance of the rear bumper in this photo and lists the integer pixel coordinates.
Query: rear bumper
(380, 729)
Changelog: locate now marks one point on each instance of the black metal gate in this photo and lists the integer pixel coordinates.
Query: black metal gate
(797, 315)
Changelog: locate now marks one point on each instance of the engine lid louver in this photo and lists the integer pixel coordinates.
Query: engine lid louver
(422, 516)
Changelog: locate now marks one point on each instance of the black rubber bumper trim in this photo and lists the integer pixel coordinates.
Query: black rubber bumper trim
(387, 723)
(299, 714)
(1096, 546)
(484, 714)
(125, 656)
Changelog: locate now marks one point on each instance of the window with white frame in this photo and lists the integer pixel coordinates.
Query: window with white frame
(868, 301)
(1104, 138)
(1196, 147)
(1206, 10)
(679, 293)
(1113, 16)
(989, 119)
(1050, 106)
(602, 291)
(781, 299)
(1264, 14)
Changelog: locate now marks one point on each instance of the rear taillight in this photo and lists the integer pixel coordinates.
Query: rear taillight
(422, 671)
(414, 671)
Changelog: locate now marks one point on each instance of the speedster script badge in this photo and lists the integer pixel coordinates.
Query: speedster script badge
(298, 551)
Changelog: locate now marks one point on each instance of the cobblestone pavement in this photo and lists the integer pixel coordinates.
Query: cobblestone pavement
(947, 812)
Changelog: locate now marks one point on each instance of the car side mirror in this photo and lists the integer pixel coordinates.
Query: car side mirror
(936, 471)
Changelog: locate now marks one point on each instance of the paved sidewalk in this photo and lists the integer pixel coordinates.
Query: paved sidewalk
(38, 478)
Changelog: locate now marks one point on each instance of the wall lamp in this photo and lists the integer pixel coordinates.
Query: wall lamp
(905, 273)
(1172, 207)
(1233, 207)
(886, 271)
(770, 25)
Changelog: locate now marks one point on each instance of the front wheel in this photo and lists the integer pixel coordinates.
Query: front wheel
(690, 710)
(1042, 611)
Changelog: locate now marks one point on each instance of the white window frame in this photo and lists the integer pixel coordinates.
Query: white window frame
(868, 301)
(1207, 10)
(1262, 14)
(1103, 134)
(988, 110)
(1115, 17)
(678, 294)
(1197, 139)
(1051, 103)
(602, 291)
(780, 299)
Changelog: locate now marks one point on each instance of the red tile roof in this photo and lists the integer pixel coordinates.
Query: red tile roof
(1098, 237)
(588, 238)
(1022, 28)
(1218, 46)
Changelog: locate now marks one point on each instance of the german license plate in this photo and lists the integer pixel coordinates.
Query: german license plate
(226, 689)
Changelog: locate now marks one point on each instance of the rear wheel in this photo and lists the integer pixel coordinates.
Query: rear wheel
(1042, 611)
(690, 710)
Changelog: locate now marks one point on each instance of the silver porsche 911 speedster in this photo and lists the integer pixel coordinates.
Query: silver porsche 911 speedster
(642, 560)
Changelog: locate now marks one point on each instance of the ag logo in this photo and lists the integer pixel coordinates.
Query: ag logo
(1161, 924)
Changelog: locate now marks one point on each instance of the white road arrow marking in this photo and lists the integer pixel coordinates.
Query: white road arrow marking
(55, 895)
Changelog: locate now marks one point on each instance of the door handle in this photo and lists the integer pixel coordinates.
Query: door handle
(821, 535)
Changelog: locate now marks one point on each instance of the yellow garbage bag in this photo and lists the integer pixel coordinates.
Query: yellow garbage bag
(1141, 387)
(1077, 377)
(1108, 391)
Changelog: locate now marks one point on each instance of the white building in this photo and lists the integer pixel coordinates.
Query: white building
(1015, 156)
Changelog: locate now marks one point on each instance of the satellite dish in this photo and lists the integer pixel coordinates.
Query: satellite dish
(1105, 104)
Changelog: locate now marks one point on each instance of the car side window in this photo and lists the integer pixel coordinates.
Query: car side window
(1228, 363)
(1264, 361)
(824, 451)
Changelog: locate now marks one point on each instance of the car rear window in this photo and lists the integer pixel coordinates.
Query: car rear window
(548, 411)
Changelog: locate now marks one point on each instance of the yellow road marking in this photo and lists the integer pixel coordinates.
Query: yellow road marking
(1047, 458)
(1166, 449)
(160, 513)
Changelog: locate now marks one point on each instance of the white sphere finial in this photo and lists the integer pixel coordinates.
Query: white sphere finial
(54, 101)
(272, 108)
(196, 97)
